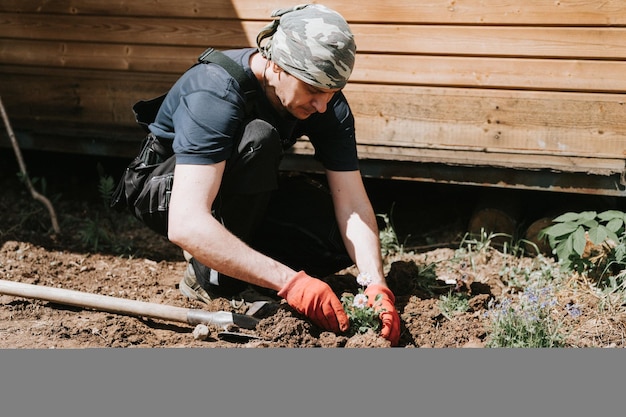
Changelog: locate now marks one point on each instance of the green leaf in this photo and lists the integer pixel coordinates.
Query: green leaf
(589, 223)
(578, 241)
(620, 253)
(563, 249)
(609, 215)
(615, 224)
(588, 215)
(560, 229)
(612, 236)
(598, 235)
(567, 217)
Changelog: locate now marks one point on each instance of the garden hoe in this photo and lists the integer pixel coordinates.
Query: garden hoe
(136, 308)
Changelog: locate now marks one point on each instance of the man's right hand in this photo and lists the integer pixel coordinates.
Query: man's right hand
(315, 299)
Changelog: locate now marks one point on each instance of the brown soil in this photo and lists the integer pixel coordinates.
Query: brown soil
(430, 220)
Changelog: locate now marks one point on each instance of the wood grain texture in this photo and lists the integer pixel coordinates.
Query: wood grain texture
(480, 12)
(532, 85)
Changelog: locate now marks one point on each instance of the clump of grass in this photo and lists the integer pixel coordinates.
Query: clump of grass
(539, 270)
(453, 303)
(389, 242)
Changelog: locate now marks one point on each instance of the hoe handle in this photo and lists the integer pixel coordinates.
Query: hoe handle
(125, 306)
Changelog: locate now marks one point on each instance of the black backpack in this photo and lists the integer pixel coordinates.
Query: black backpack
(146, 184)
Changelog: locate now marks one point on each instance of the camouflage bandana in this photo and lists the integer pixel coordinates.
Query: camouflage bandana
(311, 42)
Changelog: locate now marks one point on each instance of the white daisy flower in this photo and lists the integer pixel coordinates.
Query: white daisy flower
(364, 279)
(360, 301)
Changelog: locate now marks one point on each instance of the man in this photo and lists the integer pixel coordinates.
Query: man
(236, 224)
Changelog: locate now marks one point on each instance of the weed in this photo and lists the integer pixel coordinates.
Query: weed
(93, 235)
(388, 238)
(100, 232)
(453, 303)
(472, 250)
(612, 293)
(106, 185)
(539, 270)
(424, 279)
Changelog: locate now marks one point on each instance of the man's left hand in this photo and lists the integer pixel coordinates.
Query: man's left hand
(389, 316)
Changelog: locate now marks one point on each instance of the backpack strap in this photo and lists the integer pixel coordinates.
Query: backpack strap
(146, 110)
(235, 70)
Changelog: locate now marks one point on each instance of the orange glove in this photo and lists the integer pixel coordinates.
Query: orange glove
(316, 300)
(389, 318)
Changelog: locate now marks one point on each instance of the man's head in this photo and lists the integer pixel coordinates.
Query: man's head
(311, 42)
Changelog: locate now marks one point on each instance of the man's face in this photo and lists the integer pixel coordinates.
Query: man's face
(299, 98)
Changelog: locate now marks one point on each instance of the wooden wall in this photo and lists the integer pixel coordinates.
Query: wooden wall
(509, 93)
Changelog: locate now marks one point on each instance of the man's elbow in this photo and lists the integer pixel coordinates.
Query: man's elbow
(178, 232)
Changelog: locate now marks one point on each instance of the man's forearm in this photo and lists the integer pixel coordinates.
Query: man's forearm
(363, 244)
(214, 246)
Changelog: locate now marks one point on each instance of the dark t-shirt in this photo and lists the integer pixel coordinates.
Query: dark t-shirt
(205, 108)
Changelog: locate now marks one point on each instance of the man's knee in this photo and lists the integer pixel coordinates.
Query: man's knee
(253, 168)
(260, 142)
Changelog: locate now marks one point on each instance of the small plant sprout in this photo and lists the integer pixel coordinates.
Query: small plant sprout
(452, 304)
(389, 241)
(362, 316)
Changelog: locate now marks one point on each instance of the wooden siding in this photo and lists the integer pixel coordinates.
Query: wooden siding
(532, 91)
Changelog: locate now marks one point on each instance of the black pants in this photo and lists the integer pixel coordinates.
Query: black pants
(287, 217)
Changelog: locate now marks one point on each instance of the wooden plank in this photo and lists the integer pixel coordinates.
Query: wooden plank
(80, 99)
(477, 157)
(505, 41)
(483, 12)
(531, 74)
(95, 56)
(220, 33)
(474, 175)
(504, 73)
(568, 124)
(562, 42)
